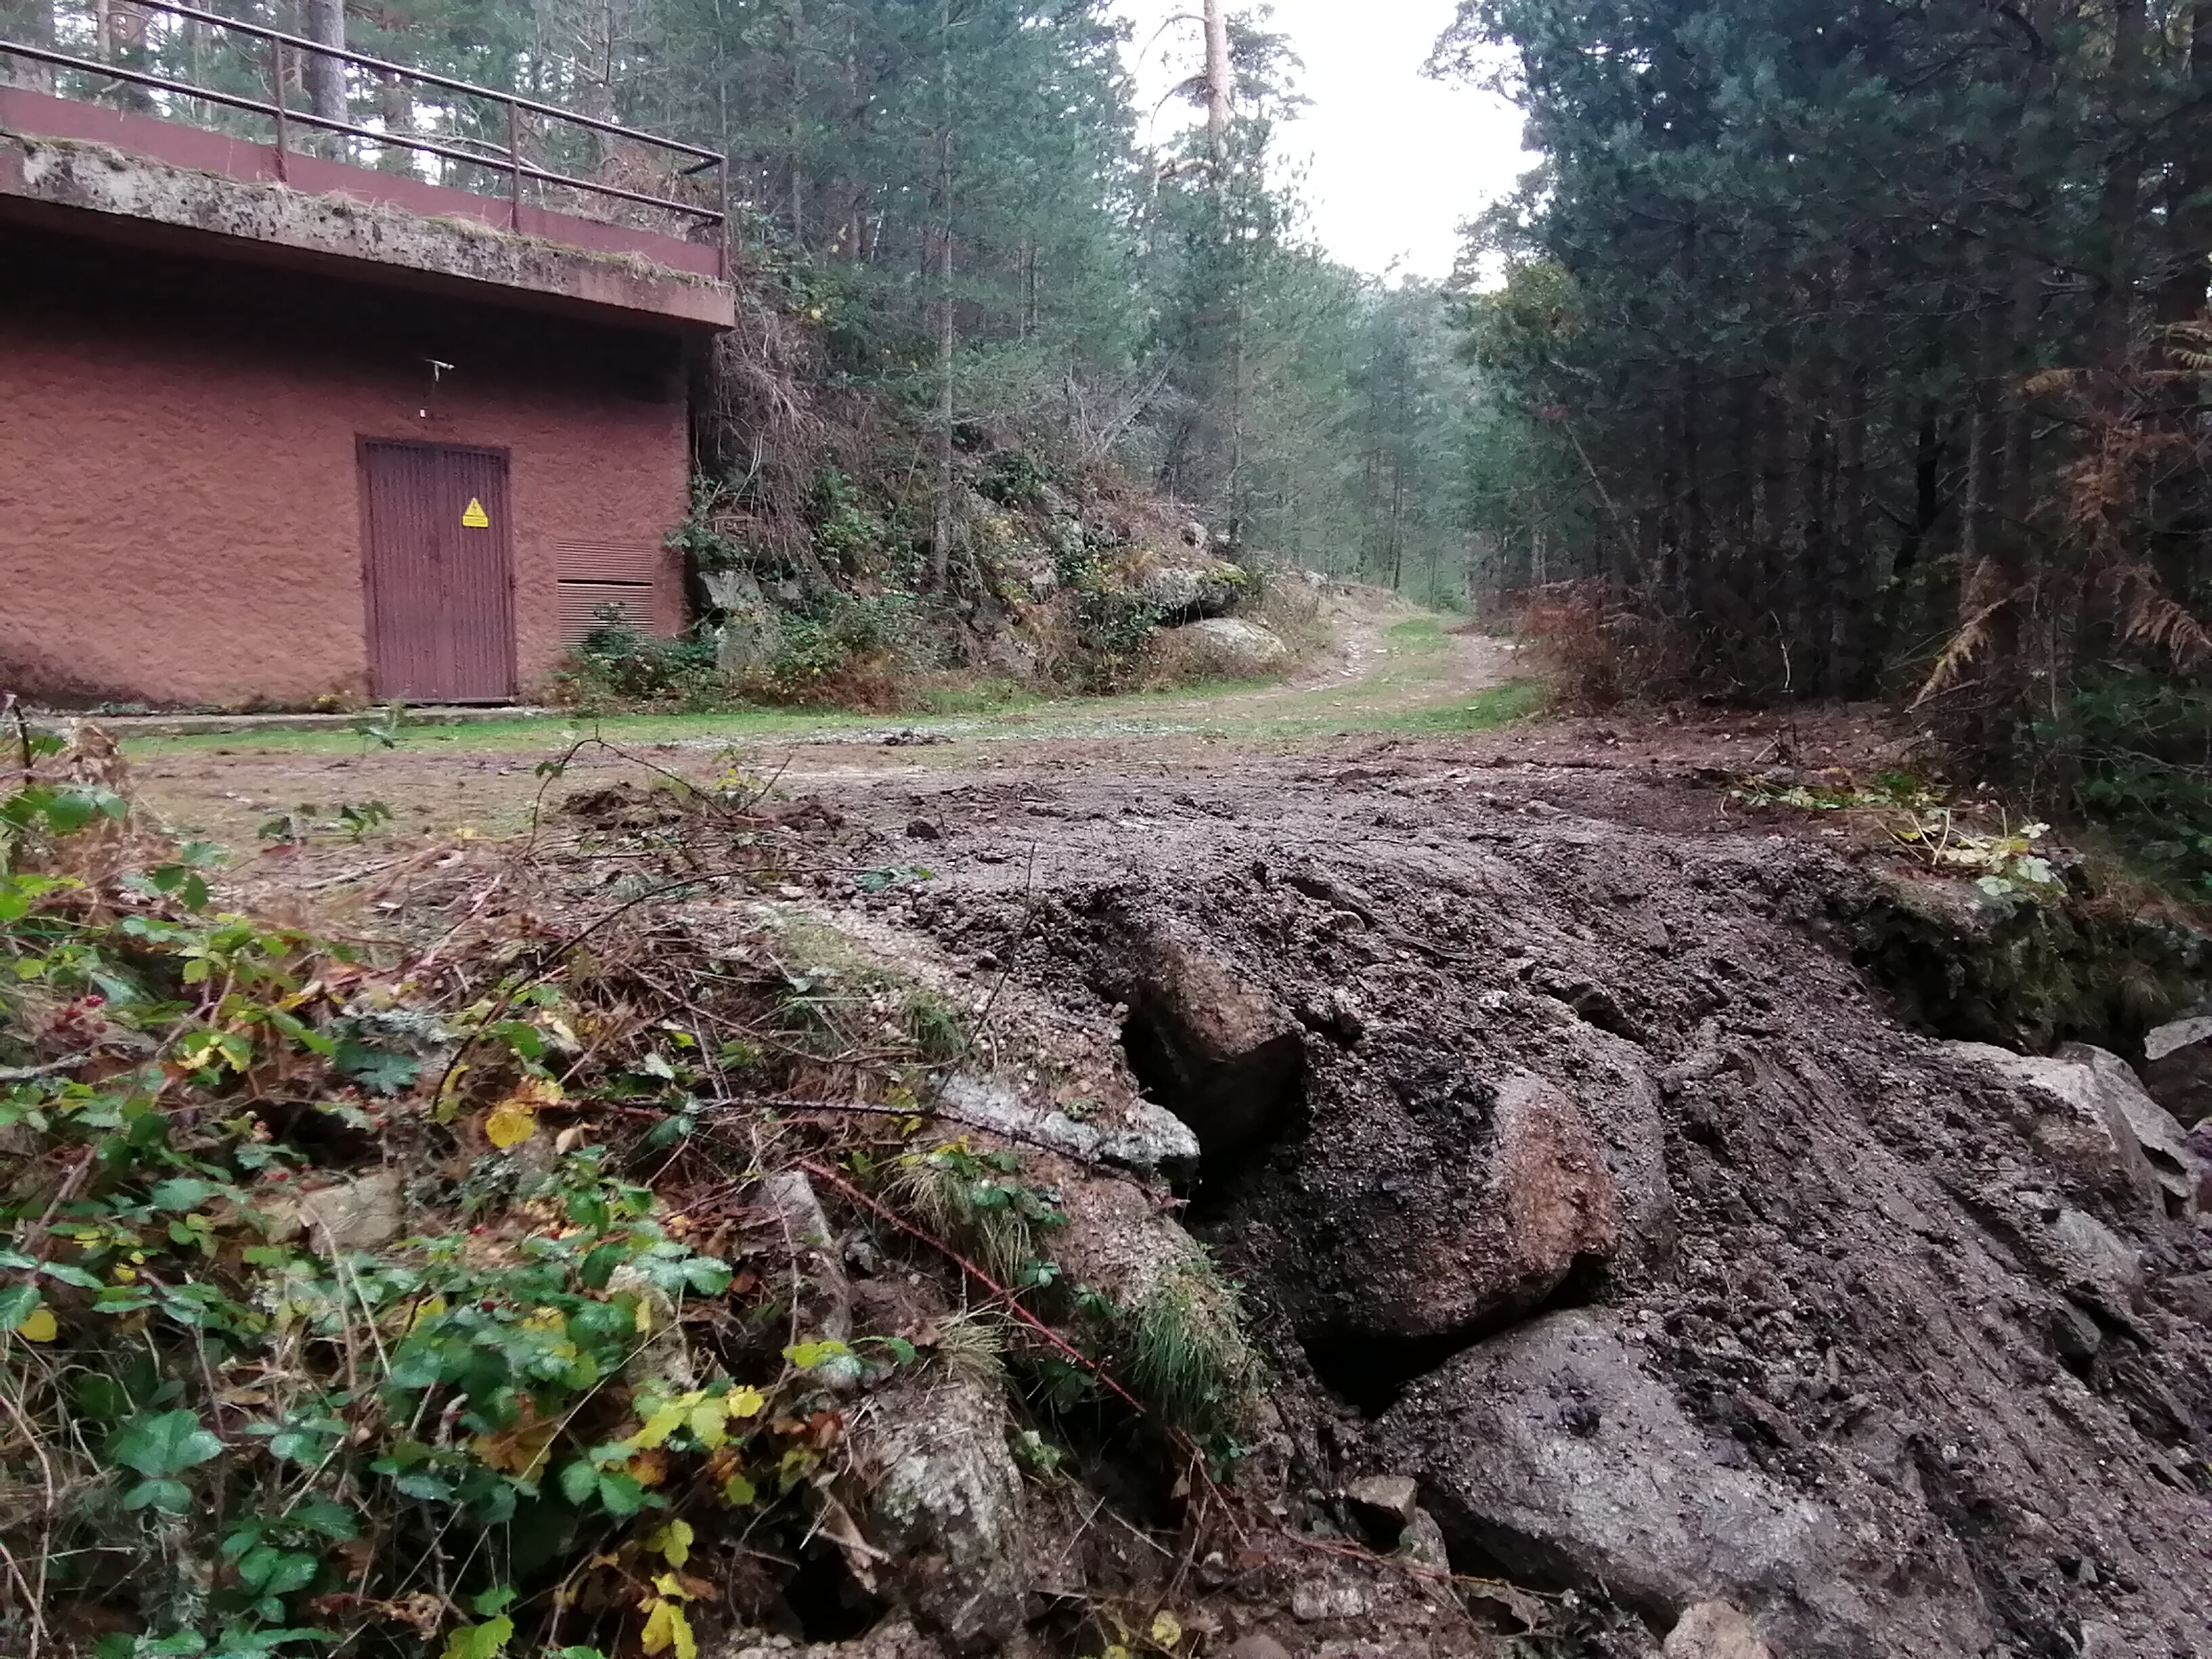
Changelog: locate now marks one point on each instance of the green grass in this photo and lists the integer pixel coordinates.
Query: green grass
(1388, 698)
(1417, 634)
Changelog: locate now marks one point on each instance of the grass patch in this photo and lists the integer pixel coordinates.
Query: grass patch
(1501, 705)
(1419, 635)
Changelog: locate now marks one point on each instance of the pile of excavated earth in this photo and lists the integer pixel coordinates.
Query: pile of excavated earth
(1517, 1209)
(1658, 1240)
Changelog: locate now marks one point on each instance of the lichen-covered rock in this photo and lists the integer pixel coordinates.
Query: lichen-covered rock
(360, 1213)
(1148, 1140)
(2175, 1168)
(823, 1299)
(1714, 1630)
(1186, 593)
(2071, 1117)
(945, 1502)
(1235, 646)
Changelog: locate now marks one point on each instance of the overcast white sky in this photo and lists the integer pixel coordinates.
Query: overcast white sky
(1396, 160)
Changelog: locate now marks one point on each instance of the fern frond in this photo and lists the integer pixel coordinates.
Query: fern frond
(2151, 617)
(1986, 597)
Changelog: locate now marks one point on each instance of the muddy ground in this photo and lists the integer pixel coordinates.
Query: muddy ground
(1843, 1342)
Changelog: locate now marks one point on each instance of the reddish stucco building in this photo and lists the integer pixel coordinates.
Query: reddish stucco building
(275, 429)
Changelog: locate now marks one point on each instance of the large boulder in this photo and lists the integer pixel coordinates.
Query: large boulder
(1186, 592)
(748, 629)
(946, 1507)
(1221, 1054)
(2175, 1168)
(1232, 646)
(1550, 1452)
(2088, 1111)
(2177, 1068)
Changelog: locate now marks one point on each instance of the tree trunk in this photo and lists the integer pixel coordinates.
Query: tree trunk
(1218, 81)
(940, 549)
(325, 77)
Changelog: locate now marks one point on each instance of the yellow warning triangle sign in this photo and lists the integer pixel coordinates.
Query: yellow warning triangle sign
(475, 517)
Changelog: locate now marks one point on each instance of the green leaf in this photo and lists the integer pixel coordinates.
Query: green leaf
(17, 1304)
(807, 1355)
(578, 1481)
(181, 1192)
(170, 1497)
(165, 1443)
(486, 1641)
(273, 1571)
(329, 1518)
(379, 1069)
(621, 1495)
(706, 1275)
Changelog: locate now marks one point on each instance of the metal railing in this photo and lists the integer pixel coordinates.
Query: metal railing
(688, 160)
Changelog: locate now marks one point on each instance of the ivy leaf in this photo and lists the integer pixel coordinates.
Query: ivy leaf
(17, 1304)
(165, 1443)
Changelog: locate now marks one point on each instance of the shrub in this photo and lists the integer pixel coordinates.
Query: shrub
(1603, 651)
(618, 662)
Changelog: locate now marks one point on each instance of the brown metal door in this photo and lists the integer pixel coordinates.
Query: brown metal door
(439, 573)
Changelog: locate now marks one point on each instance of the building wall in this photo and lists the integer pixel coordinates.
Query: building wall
(180, 514)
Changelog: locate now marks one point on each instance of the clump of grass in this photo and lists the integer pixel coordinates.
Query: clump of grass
(973, 1345)
(977, 1201)
(1187, 1356)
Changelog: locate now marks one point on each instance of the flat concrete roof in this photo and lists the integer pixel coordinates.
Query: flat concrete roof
(132, 177)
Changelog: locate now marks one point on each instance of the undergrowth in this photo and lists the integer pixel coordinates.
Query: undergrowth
(367, 1300)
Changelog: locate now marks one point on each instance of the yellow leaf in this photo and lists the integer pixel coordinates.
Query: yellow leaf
(738, 1492)
(1165, 1631)
(510, 1123)
(431, 1308)
(707, 1424)
(673, 1541)
(39, 1327)
(660, 1632)
(658, 1427)
(747, 1402)
(1116, 1651)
